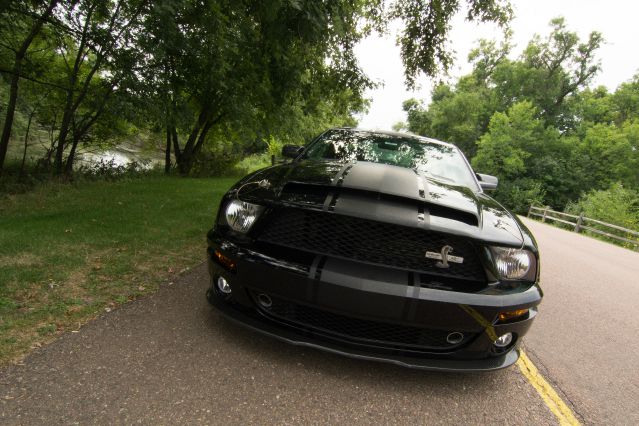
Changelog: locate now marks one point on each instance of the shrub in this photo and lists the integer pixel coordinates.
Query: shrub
(616, 205)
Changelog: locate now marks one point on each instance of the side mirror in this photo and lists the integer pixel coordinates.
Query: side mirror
(291, 151)
(487, 182)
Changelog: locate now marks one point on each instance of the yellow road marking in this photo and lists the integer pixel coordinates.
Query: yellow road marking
(558, 407)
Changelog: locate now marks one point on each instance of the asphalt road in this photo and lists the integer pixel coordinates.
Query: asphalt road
(170, 358)
(586, 338)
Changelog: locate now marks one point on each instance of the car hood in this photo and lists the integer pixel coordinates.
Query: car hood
(389, 194)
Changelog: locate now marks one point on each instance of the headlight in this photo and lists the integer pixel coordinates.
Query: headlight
(514, 264)
(241, 215)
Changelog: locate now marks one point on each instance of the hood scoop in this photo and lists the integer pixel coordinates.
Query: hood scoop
(370, 204)
(311, 195)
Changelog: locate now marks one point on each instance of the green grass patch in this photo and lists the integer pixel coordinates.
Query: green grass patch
(68, 252)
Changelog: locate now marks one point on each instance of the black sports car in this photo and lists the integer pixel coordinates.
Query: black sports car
(381, 246)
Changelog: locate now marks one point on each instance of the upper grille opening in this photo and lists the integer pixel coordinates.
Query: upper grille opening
(369, 241)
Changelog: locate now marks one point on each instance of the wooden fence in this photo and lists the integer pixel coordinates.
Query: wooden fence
(580, 223)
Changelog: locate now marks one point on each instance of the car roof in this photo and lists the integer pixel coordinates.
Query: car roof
(396, 134)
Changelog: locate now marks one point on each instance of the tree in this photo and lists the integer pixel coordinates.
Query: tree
(241, 67)
(549, 73)
(604, 156)
(616, 204)
(96, 63)
(423, 41)
(593, 106)
(284, 52)
(517, 148)
(245, 63)
(20, 46)
(626, 100)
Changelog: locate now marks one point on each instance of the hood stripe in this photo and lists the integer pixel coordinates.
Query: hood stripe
(420, 187)
(339, 177)
(338, 180)
(328, 201)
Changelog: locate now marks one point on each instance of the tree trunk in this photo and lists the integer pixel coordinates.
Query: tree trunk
(188, 157)
(11, 108)
(15, 77)
(26, 142)
(46, 161)
(202, 137)
(167, 152)
(63, 133)
(196, 140)
(176, 145)
(68, 166)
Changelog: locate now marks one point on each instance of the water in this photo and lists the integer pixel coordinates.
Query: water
(118, 158)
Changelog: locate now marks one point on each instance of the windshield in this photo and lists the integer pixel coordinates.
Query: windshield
(434, 160)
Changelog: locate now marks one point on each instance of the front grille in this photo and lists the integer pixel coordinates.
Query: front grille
(359, 330)
(369, 241)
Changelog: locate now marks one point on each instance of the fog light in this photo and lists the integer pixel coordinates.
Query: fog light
(455, 338)
(264, 300)
(504, 340)
(223, 286)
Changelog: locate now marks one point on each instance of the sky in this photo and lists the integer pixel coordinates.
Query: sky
(616, 19)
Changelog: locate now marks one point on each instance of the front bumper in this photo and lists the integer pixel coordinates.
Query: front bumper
(370, 293)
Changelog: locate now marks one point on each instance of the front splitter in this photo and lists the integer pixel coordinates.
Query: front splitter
(289, 336)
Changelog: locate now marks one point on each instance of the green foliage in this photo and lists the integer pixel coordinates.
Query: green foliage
(616, 205)
(533, 121)
(549, 73)
(251, 163)
(605, 155)
(626, 100)
(274, 146)
(256, 69)
(514, 143)
(520, 193)
(217, 158)
(502, 150)
(277, 67)
(423, 41)
(593, 106)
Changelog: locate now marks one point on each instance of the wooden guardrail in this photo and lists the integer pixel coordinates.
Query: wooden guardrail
(581, 222)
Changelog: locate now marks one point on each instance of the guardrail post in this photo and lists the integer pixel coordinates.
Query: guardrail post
(543, 219)
(530, 210)
(580, 220)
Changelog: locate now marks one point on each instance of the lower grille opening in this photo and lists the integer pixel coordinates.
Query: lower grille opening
(356, 330)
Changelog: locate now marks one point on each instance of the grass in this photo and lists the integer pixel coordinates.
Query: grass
(67, 252)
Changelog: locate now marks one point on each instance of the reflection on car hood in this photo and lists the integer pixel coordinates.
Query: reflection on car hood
(390, 194)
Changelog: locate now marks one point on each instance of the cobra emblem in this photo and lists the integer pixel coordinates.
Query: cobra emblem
(444, 257)
(444, 262)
